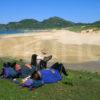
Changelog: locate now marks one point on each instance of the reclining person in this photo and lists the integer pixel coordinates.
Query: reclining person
(8, 71)
(45, 76)
(14, 70)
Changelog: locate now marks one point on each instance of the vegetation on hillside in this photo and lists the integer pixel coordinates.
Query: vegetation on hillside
(51, 23)
(54, 22)
(85, 26)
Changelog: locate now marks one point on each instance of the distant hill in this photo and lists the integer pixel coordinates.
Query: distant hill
(56, 22)
(23, 24)
(51, 23)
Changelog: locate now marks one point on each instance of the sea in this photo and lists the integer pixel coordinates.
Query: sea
(4, 32)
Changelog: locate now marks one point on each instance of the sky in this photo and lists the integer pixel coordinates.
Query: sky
(86, 11)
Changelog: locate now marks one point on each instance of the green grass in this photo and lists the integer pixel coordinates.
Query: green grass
(77, 86)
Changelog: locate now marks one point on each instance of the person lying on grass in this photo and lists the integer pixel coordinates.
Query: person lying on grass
(45, 76)
(8, 71)
(14, 70)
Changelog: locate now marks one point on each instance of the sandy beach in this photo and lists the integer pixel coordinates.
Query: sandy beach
(65, 46)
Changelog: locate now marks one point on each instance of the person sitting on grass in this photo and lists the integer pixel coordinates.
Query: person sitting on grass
(45, 76)
(40, 61)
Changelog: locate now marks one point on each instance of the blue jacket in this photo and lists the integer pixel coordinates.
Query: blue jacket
(9, 72)
(50, 75)
(47, 76)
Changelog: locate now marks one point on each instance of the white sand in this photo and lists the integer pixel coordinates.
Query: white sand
(63, 36)
(61, 43)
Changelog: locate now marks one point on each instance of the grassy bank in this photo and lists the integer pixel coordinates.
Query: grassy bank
(77, 86)
(79, 28)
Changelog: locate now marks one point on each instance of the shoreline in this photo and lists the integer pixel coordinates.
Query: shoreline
(62, 36)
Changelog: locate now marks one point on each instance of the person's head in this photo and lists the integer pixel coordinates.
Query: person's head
(35, 75)
(13, 64)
